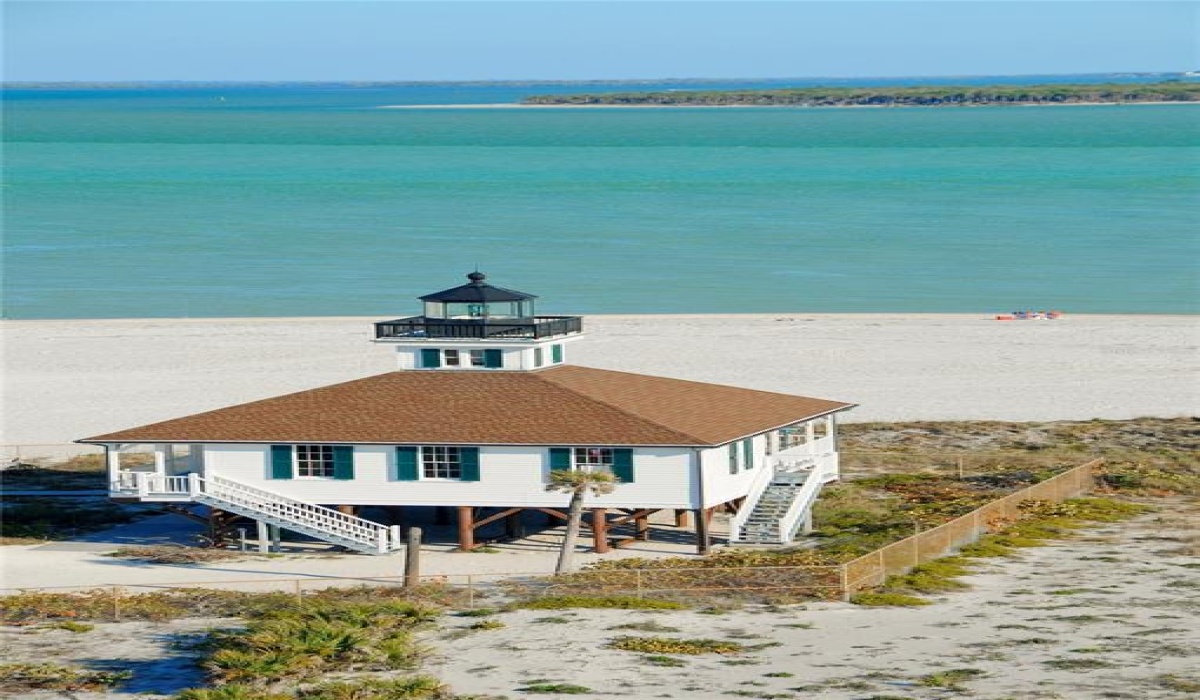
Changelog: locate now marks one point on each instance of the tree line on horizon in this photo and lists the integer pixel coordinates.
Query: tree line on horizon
(920, 96)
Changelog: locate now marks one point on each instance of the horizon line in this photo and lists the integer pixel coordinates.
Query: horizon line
(555, 81)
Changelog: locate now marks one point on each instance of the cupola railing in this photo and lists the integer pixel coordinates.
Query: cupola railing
(493, 329)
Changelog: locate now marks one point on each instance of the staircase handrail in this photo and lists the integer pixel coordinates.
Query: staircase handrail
(758, 486)
(300, 512)
(790, 522)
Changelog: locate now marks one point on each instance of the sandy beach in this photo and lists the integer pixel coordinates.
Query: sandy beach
(66, 380)
(1109, 614)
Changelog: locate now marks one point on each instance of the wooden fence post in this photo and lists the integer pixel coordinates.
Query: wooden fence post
(412, 558)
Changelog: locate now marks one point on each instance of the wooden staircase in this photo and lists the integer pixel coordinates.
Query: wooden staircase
(265, 506)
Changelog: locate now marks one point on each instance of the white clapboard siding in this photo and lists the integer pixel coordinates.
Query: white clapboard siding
(509, 476)
(720, 486)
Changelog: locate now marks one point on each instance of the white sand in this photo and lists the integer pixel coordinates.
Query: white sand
(66, 380)
(1120, 598)
(70, 379)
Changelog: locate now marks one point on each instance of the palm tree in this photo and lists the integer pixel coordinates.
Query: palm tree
(578, 483)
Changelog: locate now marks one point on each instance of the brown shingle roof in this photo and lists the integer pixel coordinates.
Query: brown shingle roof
(567, 405)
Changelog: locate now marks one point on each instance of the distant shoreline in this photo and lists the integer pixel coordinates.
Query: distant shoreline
(518, 105)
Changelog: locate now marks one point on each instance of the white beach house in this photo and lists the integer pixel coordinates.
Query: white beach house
(484, 406)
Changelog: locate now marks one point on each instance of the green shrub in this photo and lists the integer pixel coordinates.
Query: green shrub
(671, 645)
(25, 677)
(885, 599)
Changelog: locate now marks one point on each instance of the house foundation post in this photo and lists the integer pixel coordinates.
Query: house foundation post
(703, 520)
(641, 526)
(600, 530)
(348, 510)
(466, 528)
(681, 518)
(276, 538)
(513, 528)
(264, 538)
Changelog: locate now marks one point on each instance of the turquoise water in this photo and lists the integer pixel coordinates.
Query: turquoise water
(291, 201)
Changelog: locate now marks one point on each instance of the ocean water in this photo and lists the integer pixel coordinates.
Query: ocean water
(318, 200)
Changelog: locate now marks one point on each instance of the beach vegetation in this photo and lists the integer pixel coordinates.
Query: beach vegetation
(645, 626)
(179, 554)
(1078, 664)
(295, 646)
(673, 645)
(556, 689)
(477, 612)
(72, 626)
(887, 599)
(72, 474)
(951, 679)
(487, 625)
(32, 607)
(1178, 683)
(29, 677)
(663, 660)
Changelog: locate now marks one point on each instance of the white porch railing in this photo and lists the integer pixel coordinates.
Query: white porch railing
(798, 466)
(260, 504)
(148, 484)
(737, 524)
(822, 472)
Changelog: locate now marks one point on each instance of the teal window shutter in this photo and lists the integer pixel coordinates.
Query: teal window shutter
(733, 458)
(406, 463)
(493, 358)
(431, 357)
(623, 465)
(748, 453)
(538, 357)
(556, 353)
(343, 462)
(560, 459)
(281, 462)
(468, 460)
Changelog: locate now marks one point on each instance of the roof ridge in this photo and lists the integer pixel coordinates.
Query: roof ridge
(619, 409)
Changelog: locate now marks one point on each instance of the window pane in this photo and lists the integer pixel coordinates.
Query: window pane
(314, 460)
(593, 458)
(441, 462)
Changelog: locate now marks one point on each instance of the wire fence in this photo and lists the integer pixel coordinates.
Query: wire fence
(899, 557)
(835, 582)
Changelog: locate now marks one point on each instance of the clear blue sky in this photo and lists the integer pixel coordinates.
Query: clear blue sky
(583, 39)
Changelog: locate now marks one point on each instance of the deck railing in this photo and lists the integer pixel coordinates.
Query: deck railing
(491, 329)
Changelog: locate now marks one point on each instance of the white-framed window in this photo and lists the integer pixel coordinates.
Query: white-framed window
(440, 462)
(477, 357)
(792, 436)
(314, 461)
(451, 358)
(539, 357)
(592, 459)
(741, 455)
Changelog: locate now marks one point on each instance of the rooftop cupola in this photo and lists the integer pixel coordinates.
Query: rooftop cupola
(478, 300)
(479, 326)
